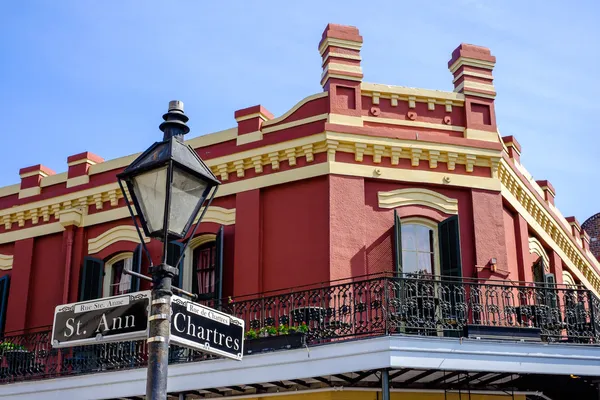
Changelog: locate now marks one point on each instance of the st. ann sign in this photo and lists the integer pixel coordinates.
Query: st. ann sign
(206, 329)
(110, 319)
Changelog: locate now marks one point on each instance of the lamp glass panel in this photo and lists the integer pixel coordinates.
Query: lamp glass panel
(187, 191)
(150, 189)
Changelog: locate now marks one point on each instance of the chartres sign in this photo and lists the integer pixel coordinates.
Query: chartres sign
(205, 329)
(110, 319)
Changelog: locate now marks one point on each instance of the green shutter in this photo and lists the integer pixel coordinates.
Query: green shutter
(92, 275)
(449, 237)
(219, 266)
(173, 254)
(397, 243)
(136, 266)
(4, 286)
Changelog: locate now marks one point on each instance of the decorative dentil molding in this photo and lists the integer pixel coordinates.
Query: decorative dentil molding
(550, 225)
(418, 196)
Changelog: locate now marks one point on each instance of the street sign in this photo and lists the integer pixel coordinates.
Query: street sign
(110, 319)
(206, 329)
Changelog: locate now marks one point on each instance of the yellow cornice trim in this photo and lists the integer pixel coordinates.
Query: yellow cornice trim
(32, 191)
(419, 124)
(547, 226)
(213, 138)
(418, 196)
(82, 161)
(292, 124)
(342, 68)
(342, 43)
(6, 262)
(403, 92)
(262, 151)
(117, 234)
(412, 175)
(535, 247)
(340, 55)
(42, 230)
(10, 190)
(54, 179)
(60, 199)
(78, 180)
(253, 115)
(474, 85)
(295, 108)
(472, 62)
(249, 137)
(474, 74)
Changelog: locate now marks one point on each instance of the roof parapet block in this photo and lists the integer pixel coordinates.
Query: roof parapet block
(250, 122)
(514, 147)
(79, 165)
(575, 228)
(549, 192)
(31, 177)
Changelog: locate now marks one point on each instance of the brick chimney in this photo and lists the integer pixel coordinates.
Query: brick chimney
(472, 68)
(342, 74)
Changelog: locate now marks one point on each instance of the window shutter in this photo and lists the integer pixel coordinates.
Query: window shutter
(449, 237)
(136, 266)
(173, 253)
(219, 267)
(91, 279)
(4, 286)
(550, 280)
(397, 243)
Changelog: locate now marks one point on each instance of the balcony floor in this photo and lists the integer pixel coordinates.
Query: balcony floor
(414, 362)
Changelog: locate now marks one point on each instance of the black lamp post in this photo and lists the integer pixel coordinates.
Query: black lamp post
(168, 185)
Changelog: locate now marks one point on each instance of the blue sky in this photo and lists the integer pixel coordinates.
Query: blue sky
(97, 75)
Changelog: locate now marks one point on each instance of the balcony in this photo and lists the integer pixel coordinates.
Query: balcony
(336, 312)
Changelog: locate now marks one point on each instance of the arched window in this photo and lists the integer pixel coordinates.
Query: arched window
(425, 247)
(115, 281)
(204, 270)
(419, 244)
(203, 267)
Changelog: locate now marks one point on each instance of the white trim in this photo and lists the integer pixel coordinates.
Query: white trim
(358, 355)
(108, 271)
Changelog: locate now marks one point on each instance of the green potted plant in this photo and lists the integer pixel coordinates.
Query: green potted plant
(16, 354)
(270, 338)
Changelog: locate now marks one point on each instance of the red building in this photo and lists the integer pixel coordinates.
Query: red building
(361, 182)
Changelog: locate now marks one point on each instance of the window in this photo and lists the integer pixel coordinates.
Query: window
(424, 247)
(117, 282)
(418, 250)
(203, 268)
(103, 279)
(203, 280)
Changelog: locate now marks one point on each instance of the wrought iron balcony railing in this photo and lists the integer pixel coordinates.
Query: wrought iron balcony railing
(371, 306)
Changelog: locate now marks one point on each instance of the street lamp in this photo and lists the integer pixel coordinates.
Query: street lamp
(168, 185)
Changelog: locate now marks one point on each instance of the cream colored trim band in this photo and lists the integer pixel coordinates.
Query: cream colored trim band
(6, 262)
(417, 196)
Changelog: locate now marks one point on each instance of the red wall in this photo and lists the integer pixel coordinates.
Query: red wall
(295, 234)
(45, 291)
(511, 244)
